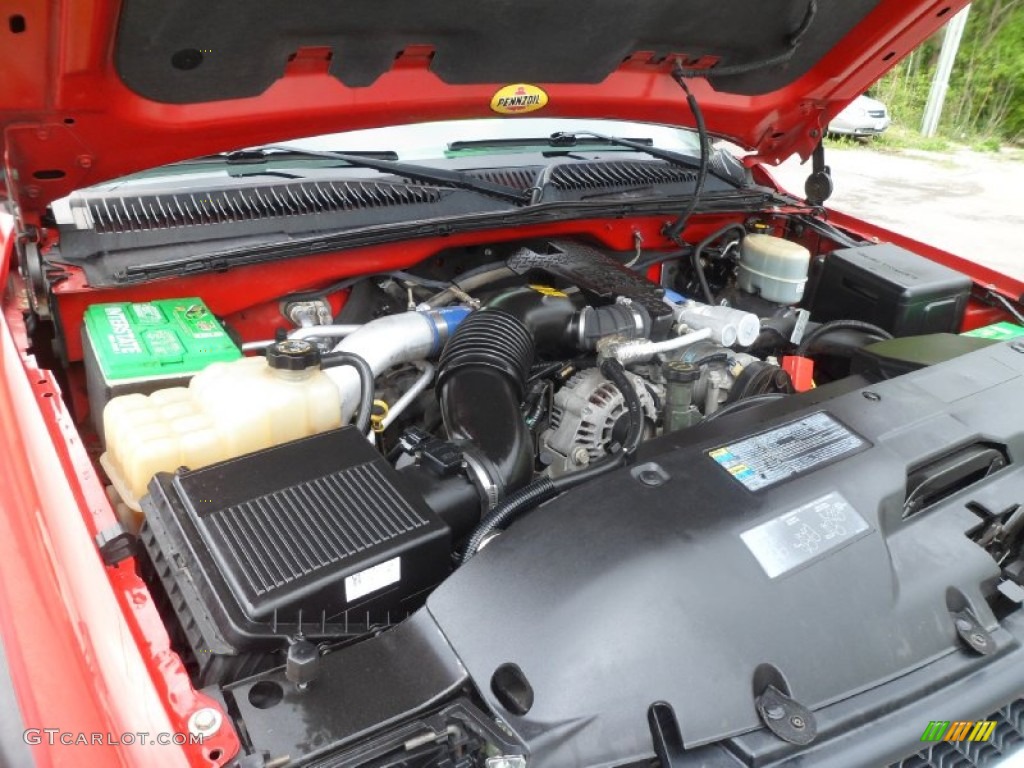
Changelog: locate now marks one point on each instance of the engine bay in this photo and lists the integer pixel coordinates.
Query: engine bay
(300, 479)
(319, 484)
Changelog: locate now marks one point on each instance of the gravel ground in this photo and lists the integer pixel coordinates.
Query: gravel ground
(966, 202)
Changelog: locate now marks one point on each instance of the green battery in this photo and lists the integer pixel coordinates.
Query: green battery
(144, 346)
(997, 332)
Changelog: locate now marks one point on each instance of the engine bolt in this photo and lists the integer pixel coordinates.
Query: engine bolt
(650, 477)
(797, 722)
(204, 722)
(580, 456)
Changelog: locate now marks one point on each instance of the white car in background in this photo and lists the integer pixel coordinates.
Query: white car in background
(863, 117)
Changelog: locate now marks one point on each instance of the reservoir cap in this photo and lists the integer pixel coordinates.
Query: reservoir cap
(293, 355)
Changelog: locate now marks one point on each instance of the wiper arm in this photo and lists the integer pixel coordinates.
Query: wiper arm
(449, 178)
(686, 161)
(570, 138)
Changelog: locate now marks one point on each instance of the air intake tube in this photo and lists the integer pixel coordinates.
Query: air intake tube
(562, 324)
(480, 383)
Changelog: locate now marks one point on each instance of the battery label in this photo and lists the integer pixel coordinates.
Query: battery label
(790, 540)
(793, 449)
(162, 338)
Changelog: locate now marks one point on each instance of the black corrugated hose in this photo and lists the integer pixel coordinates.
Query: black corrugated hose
(481, 380)
(366, 383)
(545, 488)
(840, 325)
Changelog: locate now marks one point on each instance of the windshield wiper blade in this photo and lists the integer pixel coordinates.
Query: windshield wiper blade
(555, 140)
(259, 156)
(450, 178)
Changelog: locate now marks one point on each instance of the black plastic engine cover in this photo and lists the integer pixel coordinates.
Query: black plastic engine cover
(701, 590)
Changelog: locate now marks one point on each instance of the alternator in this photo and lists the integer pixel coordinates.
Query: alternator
(583, 419)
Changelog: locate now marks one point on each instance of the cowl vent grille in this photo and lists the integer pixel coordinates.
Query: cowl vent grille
(516, 178)
(578, 176)
(141, 213)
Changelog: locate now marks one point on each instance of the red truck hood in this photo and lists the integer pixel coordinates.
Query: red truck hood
(94, 89)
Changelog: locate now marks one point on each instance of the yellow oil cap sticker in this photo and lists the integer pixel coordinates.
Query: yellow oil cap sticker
(518, 99)
(547, 290)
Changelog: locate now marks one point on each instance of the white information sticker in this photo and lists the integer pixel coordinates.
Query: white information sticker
(798, 536)
(379, 576)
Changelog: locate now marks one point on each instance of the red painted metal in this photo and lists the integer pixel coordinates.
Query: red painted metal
(86, 646)
(64, 108)
(243, 288)
(104, 638)
(87, 649)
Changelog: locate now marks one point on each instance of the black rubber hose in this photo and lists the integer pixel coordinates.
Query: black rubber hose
(481, 380)
(840, 325)
(614, 372)
(545, 488)
(366, 383)
(747, 402)
(676, 229)
(699, 251)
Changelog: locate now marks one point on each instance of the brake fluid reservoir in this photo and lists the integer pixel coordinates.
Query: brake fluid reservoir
(774, 268)
(227, 410)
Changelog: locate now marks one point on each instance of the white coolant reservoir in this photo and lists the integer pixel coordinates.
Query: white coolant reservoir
(227, 410)
(774, 268)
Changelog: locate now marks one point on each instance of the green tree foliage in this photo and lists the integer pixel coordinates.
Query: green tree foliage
(986, 91)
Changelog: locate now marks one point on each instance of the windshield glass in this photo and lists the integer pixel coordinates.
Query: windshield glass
(425, 141)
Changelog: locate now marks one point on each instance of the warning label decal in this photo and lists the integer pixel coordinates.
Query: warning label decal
(793, 449)
(781, 544)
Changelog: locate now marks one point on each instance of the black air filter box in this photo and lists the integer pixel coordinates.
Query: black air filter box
(320, 535)
(889, 286)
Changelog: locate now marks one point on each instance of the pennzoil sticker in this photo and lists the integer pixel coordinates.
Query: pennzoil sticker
(518, 99)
